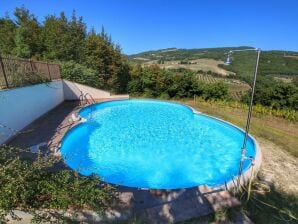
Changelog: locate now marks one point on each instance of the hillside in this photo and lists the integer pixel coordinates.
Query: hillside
(273, 63)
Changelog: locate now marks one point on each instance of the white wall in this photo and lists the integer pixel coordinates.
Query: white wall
(20, 106)
(72, 91)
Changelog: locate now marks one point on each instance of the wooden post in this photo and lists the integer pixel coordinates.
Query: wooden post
(49, 71)
(31, 65)
(3, 70)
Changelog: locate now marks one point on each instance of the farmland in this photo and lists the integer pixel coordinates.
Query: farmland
(195, 65)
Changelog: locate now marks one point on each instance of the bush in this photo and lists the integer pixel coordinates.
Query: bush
(75, 72)
(275, 95)
(29, 184)
(164, 96)
(218, 90)
(156, 82)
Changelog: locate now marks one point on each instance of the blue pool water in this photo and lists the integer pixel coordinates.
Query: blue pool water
(154, 144)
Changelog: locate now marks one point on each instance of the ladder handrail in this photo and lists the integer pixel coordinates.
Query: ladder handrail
(92, 99)
(81, 99)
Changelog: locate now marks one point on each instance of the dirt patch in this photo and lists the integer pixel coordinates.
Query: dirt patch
(279, 167)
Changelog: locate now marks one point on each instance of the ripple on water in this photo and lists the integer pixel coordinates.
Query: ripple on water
(152, 144)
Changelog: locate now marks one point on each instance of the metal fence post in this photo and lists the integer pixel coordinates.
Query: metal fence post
(3, 70)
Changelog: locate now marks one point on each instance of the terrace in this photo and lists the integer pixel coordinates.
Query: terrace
(38, 116)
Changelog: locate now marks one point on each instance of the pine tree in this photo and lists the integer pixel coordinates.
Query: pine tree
(28, 37)
(56, 37)
(7, 35)
(77, 32)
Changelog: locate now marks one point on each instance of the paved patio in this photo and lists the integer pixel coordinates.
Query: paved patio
(50, 128)
(152, 206)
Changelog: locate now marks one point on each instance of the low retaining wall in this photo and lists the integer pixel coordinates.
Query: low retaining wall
(20, 106)
(73, 90)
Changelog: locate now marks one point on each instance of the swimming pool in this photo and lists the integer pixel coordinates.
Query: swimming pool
(154, 144)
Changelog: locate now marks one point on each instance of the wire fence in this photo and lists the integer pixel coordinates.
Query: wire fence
(16, 72)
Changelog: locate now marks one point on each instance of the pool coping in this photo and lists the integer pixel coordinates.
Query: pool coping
(249, 173)
(253, 170)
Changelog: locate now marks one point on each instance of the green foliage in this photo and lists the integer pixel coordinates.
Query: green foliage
(56, 37)
(275, 95)
(103, 56)
(7, 35)
(63, 39)
(217, 90)
(155, 82)
(271, 62)
(28, 34)
(73, 71)
(295, 81)
(279, 96)
(185, 55)
(29, 184)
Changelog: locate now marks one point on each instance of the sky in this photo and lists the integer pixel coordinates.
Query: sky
(141, 25)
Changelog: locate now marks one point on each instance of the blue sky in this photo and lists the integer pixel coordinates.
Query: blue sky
(139, 25)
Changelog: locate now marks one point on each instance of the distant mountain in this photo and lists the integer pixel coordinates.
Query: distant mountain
(275, 63)
(184, 54)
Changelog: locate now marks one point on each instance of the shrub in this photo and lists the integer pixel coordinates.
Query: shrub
(164, 96)
(218, 90)
(156, 82)
(73, 71)
(29, 184)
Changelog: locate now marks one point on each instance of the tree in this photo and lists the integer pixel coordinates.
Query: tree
(218, 90)
(7, 35)
(77, 32)
(79, 73)
(103, 56)
(56, 37)
(28, 37)
(63, 39)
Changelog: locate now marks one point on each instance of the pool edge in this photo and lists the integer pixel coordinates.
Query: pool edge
(247, 174)
(230, 185)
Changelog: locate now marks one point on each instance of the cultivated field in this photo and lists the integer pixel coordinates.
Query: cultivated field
(196, 65)
(237, 88)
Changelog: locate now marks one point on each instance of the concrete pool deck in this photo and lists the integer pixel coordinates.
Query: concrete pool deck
(152, 206)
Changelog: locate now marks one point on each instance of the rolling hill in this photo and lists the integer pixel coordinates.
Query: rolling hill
(274, 63)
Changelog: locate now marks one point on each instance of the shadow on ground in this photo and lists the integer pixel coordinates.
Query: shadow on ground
(170, 206)
(271, 206)
(49, 128)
